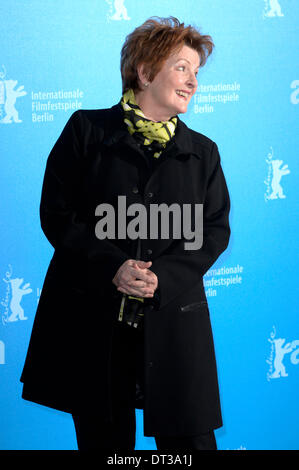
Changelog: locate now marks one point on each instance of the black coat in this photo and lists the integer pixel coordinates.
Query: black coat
(67, 365)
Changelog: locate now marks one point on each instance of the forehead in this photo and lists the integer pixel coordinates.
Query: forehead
(186, 53)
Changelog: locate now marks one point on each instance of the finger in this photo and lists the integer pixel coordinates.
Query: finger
(140, 292)
(134, 276)
(136, 292)
(139, 274)
(150, 277)
(143, 264)
(138, 284)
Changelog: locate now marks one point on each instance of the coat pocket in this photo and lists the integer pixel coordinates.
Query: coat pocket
(194, 306)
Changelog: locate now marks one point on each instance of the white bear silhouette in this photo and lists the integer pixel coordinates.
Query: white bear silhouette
(280, 351)
(11, 97)
(120, 11)
(278, 172)
(274, 9)
(16, 297)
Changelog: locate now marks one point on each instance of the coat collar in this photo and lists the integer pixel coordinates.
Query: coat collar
(116, 131)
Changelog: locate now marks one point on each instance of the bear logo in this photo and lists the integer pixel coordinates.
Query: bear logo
(11, 95)
(17, 293)
(272, 8)
(120, 11)
(277, 173)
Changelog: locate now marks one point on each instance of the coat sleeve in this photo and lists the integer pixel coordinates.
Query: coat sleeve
(179, 270)
(63, 207)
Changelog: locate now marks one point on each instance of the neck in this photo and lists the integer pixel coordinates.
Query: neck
(145, 104)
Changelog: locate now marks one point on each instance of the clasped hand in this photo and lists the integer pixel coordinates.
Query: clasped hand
(135, 278)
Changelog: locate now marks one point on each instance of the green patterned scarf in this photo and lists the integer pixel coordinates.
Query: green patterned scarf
(155, 134)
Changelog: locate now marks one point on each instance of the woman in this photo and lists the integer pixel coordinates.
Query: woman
(123, 320)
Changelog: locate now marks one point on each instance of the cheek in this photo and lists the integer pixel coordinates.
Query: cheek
(173, 84)
(170, 92)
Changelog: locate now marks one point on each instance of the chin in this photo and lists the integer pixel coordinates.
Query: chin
(182, 110)
(174, 110)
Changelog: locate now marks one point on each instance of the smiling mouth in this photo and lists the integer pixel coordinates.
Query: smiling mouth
(182, 94)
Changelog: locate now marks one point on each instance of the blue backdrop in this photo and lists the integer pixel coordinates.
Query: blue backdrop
(60, 55)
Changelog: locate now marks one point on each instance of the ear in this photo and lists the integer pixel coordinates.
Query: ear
(142, 75)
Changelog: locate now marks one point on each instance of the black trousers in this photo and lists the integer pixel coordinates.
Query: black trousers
(94, 433)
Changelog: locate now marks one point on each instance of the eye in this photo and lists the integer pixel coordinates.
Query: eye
(181, 67)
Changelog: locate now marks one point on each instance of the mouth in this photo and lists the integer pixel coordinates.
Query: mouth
(183, 94)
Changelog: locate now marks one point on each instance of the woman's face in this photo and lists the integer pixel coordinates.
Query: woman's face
(172, 88)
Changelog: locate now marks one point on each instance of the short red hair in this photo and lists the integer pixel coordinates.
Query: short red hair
(153, 42)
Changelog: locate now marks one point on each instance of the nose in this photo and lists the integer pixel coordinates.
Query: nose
(192, 82)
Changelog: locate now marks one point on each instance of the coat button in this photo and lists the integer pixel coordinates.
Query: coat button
(150, 364)
(135, 190)
(149, 251)
(150, 194)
